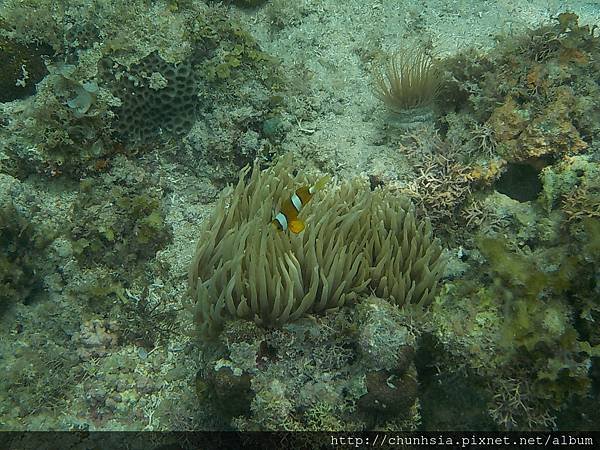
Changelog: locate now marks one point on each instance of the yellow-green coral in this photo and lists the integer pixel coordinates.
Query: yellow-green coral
(539, 331)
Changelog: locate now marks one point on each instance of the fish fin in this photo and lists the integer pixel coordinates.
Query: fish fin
(296, 226)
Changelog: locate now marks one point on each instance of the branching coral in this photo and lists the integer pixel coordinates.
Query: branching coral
(582, 202)
(511, 406)
(356, 240)
(441, 186)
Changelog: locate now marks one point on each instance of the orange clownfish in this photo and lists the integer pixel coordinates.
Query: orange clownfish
(287, 217)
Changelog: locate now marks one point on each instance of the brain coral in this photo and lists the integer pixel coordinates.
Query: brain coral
(156, 97)
(356, 241)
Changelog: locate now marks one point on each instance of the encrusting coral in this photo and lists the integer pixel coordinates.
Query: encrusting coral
(356, 241)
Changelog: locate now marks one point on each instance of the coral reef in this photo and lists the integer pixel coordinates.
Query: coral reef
(534, 319)
(315, 374)
(574, 185)
(22, 241)
(519, 321)
(96, 339)
(356, 240)
(247, 3)
(531, 92)
(539, 327)
(108, 94)
(118, 220)
(22, 68)
(121, 121)
(93, 336)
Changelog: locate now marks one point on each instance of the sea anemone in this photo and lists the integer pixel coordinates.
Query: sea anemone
(356, 242)
(407, 80)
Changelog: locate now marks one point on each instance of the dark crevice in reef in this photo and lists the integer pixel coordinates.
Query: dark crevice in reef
(520, 182)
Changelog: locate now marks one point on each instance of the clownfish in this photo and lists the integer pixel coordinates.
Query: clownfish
(287, 217)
